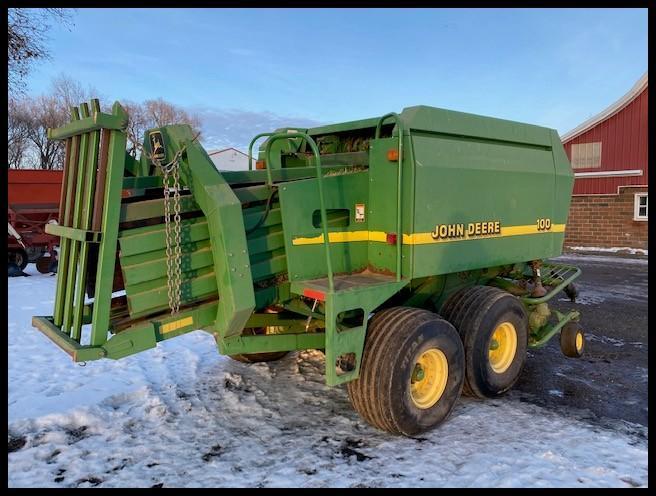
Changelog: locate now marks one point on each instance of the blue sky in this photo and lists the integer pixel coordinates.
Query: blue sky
(248, 70)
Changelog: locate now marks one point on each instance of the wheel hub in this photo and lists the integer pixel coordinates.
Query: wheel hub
(429, 378)
(503, 347)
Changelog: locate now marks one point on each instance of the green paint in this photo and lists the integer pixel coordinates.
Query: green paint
(260, 238)
(110, 219)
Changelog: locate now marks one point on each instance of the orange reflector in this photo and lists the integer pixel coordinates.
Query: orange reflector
(260, 164)
(393, 155)
(391, 238)
(314, 294)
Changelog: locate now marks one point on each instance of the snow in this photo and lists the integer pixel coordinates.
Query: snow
(181, 415)
(618, 249)
(585, 258)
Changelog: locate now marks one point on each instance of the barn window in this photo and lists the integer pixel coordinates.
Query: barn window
(640, 208)
(586, 155)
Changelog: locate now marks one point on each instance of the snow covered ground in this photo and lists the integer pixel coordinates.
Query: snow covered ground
(182, 415)
(616, 249)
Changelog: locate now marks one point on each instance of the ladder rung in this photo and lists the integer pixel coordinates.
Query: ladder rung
(72, 233)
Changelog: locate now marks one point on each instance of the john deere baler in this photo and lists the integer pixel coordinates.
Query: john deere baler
(411, 248)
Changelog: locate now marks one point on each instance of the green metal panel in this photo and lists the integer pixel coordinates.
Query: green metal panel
(252, 217)
(503, 182)
(473, 127)
(152, 296)
(299, 200)
(265, 242)
(225, 224)
(156, 268)
(153, 238)
(382, 206)
(564, 185)
(272, 342)
(154, 208)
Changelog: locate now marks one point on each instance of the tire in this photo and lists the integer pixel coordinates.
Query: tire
(259, 357)
(481, 313)
(389, 393)
(43, 264)
(571, 291)
(572, 340)
(19, 257)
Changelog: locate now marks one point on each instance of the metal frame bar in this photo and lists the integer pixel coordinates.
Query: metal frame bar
(110, 220)
(322, 203)
(81, 166)
(549, 332)
(554, 291)
(250, 148)
(70, 172)
(399, 234)
(85, 223)
(87, 124)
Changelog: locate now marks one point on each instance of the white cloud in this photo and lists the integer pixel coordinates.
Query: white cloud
(223, 128)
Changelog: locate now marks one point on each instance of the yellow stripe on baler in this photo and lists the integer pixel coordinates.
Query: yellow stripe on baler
(422, 238)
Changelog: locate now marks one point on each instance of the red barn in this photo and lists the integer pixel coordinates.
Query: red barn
(608, 154)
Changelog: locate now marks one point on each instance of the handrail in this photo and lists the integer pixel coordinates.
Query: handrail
(250, 148)
(399, 234)
(324, 218)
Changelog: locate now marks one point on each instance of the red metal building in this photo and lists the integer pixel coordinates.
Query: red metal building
(609, 156)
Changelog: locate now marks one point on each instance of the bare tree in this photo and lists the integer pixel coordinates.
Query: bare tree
(18, 130)
(46, 112)
(26, 36)
(70, 93)
(137, 125)
(30, 117)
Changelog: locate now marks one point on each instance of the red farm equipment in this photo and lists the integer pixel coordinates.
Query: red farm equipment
(33, 202)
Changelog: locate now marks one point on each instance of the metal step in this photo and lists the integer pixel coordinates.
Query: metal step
(317, 288)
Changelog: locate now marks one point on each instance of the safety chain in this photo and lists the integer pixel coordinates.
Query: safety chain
(170, 171)
(173, 250)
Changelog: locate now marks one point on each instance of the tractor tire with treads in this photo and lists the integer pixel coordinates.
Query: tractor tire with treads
(493, 326)
(412, 371)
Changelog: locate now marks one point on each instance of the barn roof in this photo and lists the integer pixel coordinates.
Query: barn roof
(608, 112)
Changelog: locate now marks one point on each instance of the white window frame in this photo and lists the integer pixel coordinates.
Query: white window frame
(636, 206)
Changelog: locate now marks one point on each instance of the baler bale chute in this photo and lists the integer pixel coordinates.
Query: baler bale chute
(410, 248)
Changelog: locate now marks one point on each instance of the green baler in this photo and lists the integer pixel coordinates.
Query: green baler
(409, 248)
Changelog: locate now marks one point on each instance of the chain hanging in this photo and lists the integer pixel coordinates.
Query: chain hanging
(173, 249)
(170, 171)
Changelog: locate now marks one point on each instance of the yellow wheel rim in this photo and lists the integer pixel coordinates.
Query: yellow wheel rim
(428, 380)
(503, 347)
(579, 341)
